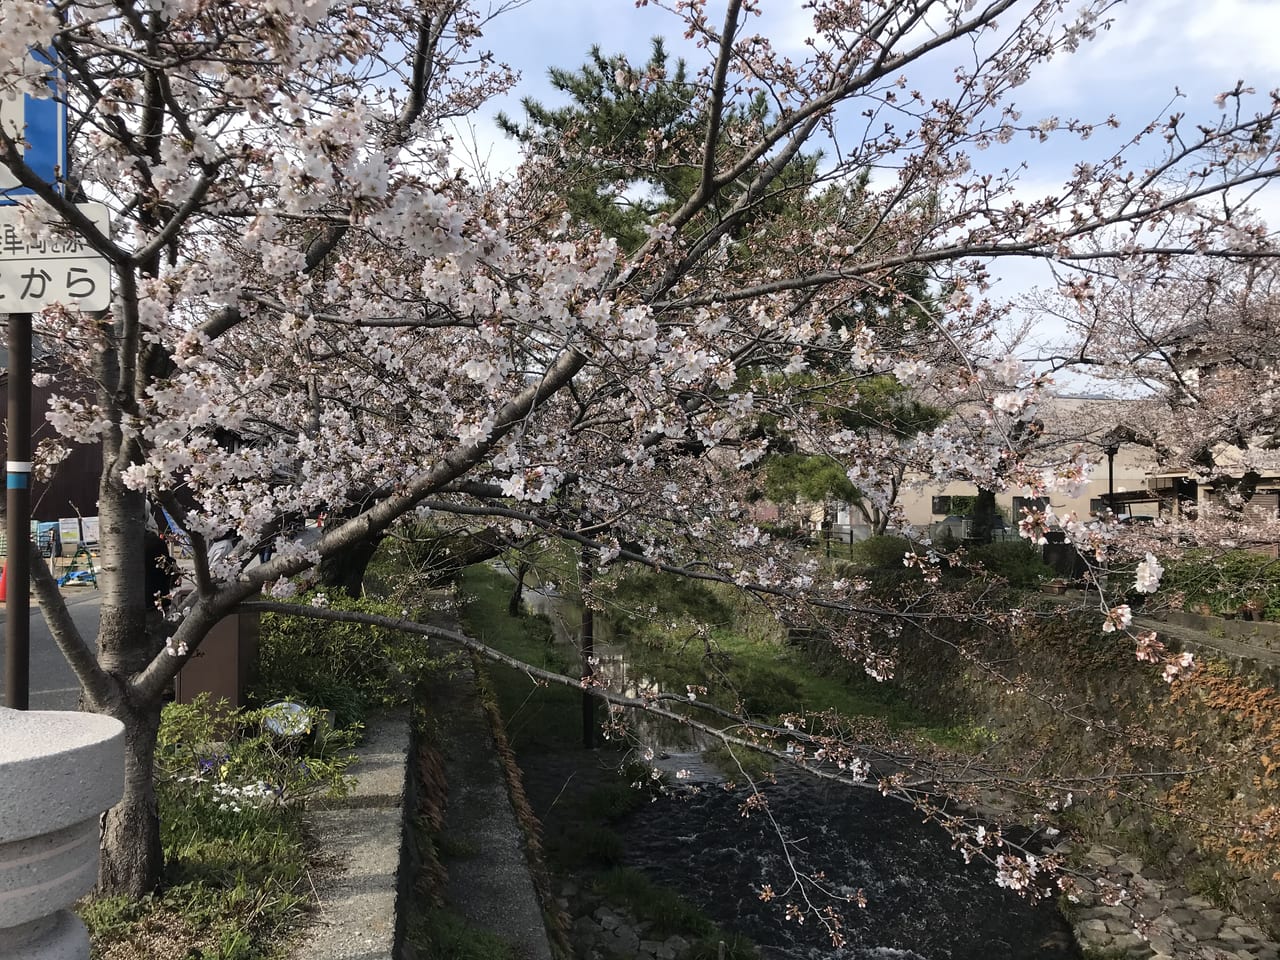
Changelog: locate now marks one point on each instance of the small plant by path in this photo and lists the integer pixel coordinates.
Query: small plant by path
(233, 790)
(232, 794)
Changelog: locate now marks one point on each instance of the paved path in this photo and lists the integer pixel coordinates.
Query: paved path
(53, 685)
(361, 837)
(492, 888)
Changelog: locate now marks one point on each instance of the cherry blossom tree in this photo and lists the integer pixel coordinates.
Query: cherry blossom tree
(315, 311)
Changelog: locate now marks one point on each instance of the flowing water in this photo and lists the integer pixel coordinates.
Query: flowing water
(923, 901)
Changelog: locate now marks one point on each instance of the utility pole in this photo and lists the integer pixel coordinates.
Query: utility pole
(1112, 450)
(17, 640)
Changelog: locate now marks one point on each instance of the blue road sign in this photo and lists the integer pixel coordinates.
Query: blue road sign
(42, 125)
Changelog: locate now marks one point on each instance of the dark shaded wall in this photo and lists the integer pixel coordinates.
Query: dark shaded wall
(74, 486)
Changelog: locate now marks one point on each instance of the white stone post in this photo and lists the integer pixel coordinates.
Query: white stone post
(58, 772)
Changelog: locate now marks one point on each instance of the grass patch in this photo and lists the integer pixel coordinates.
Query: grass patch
(669, 912)
(682, 633)
(545, 717)
(962, 738)
(1104, 953)
(443, 935)
(232, 888)
(587, 846)
(679, 633)
(612, 802)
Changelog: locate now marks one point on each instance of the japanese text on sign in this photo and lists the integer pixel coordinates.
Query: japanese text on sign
(54, 267)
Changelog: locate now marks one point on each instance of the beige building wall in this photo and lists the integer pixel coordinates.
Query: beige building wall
(1080, 423)
(1131, 470)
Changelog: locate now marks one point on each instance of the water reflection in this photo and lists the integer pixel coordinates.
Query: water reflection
(673, 746)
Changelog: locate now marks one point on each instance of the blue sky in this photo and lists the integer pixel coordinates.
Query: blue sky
(1154, 50)
(1199, 46)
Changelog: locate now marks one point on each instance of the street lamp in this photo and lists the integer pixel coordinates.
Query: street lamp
(1110, 444)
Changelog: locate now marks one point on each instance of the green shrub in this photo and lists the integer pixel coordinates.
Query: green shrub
(612, 801)
(220, 771)
(348, 668)
(1016, 561)
(670, 914)
(588, 845)
(1226, 582)
(881, 553)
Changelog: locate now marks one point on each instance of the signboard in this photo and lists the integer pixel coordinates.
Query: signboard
(40, 128)
(45, 536)
(54, 267)
(69, 530)
(89, 529)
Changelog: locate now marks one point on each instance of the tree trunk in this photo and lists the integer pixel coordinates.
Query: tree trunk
(132, 861)
(880, 525)
(516, 603)
(345, 571)
(586, 573)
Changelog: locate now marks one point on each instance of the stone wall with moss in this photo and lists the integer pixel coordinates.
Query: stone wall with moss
(1186, 775)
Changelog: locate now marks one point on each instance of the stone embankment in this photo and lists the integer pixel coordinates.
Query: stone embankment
(601, 931)
(1156, 920)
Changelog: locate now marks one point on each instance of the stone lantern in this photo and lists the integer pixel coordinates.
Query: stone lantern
(58, 772)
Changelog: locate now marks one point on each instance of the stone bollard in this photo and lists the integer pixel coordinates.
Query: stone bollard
(58, 772)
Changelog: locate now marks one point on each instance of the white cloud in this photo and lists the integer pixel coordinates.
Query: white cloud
(1156, 46)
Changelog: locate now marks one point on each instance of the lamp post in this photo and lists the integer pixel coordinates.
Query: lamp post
(1110, 444)
(1111, 450)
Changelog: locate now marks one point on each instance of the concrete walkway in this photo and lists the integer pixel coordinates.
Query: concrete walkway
(361, 837)
(361, 892)
(491, 886)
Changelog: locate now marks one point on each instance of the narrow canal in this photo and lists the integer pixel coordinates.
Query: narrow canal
(923, 901)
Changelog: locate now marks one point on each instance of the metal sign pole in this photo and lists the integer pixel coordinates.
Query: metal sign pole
(17, 641)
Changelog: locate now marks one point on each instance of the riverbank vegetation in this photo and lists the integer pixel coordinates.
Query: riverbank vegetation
(675, 634)
(1147, 737)
(579, 796)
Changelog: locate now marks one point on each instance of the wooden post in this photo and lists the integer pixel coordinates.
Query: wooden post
(585, 570)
